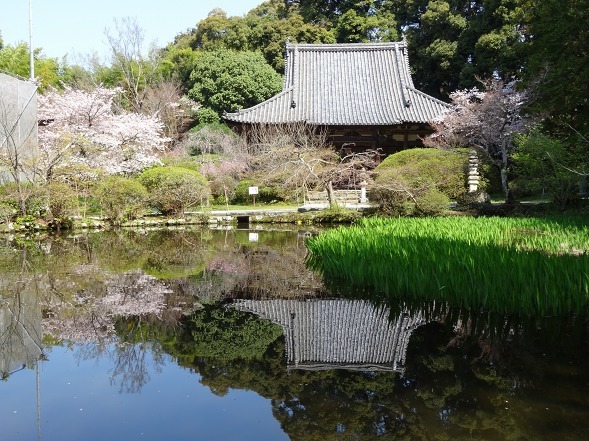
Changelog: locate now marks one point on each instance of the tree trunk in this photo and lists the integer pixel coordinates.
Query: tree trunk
(331, 195)
(505, 185)
(505, 171)
(583, 191)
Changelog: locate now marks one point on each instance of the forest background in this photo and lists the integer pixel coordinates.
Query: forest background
(169, 94)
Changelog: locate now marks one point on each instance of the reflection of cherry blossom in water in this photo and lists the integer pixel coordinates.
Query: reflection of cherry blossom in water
(90, 318)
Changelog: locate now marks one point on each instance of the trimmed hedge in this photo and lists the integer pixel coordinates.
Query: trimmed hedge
(173, 189)
(446, 171)
(420, 181)
(121, 198)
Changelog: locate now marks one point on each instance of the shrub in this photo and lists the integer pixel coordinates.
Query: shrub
(392, 201)
(173, 189)
(61, 200)
(206, 115)
(211, 138)
(265, 194)
(419, 181)
(223, 188)
(432, 202)
(447, 171)
(26, 198)
(120, 198)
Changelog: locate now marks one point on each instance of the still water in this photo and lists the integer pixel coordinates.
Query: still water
(226, 335)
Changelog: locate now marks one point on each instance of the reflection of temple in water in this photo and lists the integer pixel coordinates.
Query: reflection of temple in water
(20, 333)
(338, 333)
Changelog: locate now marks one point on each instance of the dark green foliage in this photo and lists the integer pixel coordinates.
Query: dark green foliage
(265, 194)
(270, 36)
(558, 60)
(173, 189)
(454, 42)
(226, 81)
(205, 116)
(227, 334)
(120, 198)
(543, 167)
(421, 180)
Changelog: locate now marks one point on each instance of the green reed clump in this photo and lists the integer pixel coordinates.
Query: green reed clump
(523, 265)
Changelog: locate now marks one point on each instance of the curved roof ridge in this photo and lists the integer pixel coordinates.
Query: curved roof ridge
(262, 104)
(431, 98)
(346, 46)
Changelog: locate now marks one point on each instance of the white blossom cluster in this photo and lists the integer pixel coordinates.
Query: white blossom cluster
(85, 127)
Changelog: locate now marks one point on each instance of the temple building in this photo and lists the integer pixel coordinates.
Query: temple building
(361, 94)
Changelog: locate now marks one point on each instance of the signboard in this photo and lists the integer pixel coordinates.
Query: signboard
(253, 190)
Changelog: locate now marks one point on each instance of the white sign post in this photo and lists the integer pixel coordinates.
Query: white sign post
(253, 191)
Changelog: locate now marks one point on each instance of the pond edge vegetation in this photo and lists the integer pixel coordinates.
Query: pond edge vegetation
(527, 266)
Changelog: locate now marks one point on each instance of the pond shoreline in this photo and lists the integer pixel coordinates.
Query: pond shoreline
(310, 214)
(298, 216)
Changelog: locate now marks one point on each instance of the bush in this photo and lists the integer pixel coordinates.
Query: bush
(61, 200)
(120, 198)
(223, 189)
(420, 181)
(447, 171)
(391, 201)
(211, 138)
(26, 199)
(265, 194)
(432, 202)
(205, 115)
(173, 189)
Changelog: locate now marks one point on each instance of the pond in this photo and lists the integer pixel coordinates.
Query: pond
(226, 334)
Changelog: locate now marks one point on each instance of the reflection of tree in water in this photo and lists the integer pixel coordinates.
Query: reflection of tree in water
(272, 267)
(462, 369)
(89, 316)
(113, 319)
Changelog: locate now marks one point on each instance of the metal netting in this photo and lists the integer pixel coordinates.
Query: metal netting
(18, 127)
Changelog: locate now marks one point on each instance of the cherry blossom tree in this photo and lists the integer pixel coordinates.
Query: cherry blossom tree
(485, 120)
(84, 128)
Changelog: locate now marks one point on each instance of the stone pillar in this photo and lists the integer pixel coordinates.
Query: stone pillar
(363, 198)
(473, 172)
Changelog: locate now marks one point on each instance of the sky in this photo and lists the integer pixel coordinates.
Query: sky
(77, 27)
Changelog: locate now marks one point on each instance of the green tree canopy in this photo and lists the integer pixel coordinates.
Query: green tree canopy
(16, 59)
(559, 50)
(226, 81)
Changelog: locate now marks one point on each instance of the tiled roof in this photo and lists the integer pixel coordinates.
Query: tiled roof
(345, 84)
